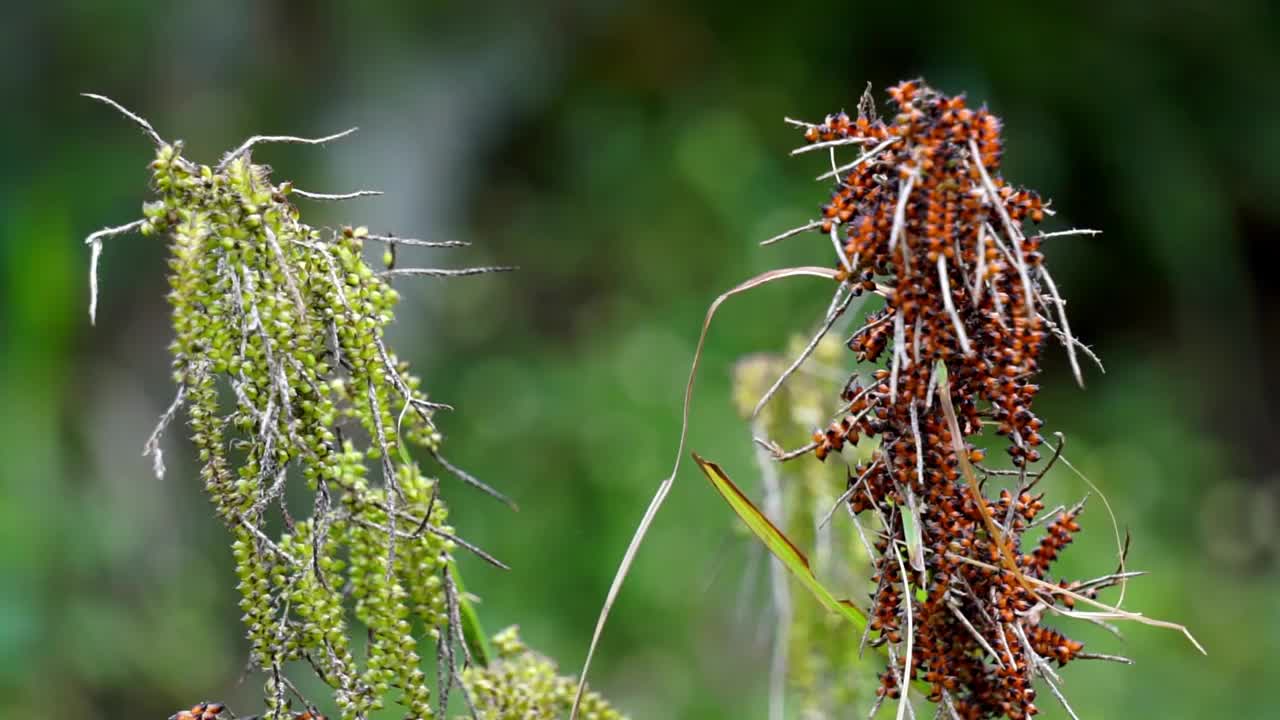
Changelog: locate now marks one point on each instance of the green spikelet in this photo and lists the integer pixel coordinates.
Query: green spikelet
(522, 685)
(278, 349)
(280, 362)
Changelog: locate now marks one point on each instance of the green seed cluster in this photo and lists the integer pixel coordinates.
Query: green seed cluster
(279, 358)
(520, 684)
(278, 351)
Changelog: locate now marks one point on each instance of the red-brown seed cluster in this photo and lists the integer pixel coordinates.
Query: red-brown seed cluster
(926, 220)
(1057, 536)
(212, 711)
(200, 711)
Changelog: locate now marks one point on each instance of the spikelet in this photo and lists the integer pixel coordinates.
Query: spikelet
(927, 222)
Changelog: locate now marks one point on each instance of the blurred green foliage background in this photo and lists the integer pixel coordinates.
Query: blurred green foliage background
(628, 157)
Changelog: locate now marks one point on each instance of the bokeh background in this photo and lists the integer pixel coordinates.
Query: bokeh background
(628, 157)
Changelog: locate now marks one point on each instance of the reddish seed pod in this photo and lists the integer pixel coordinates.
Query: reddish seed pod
(918, 223)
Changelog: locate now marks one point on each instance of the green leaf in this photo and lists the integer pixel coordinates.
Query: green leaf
(778, 543)
(911, 530)
(940, 368)
(786, 551)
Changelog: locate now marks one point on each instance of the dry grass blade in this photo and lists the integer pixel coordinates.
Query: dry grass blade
(899, 333)
(844, 496)
(834, 314)
(138, 119)
(975, 489)
(1066, 327)
(95, 253)
(980, 269)
(447, 272)
(289, 280)
(839, 248)
(1063, 233)
(1015, 237)
(1107, 611)
(951, 308)
(256, 139)
(152, 446)
(951, 709)
(664, 487)
(473, 481)
(466, 545)
(792, 232)
(900, 213)
(1062, 337)
(1102, 656)
(339, 196)
(907, 596)
(1107, 581)
(393, 240)
(832, 144)
(1121, 545)
(1045, 670)
(861, 159)
(974, 632)
(780, 455)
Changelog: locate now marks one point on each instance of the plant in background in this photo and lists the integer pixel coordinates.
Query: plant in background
(519, 683)
(923, 220)
(286, 381)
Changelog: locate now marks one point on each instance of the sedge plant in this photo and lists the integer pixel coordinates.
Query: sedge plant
(289, 389)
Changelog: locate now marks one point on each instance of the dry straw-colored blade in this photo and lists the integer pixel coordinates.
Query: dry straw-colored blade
(664, 487)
